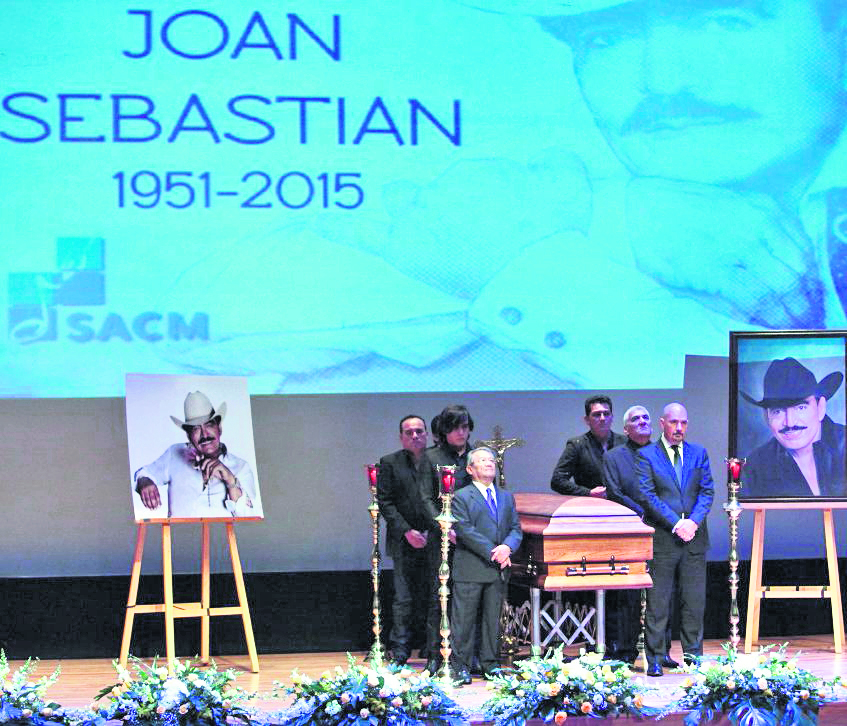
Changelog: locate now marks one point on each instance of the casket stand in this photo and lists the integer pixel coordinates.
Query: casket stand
(579, 543)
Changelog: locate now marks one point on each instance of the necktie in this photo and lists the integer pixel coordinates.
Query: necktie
(677, 463)
(492, 505)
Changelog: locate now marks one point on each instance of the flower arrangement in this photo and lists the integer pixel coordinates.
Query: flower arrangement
(369, 694)
(22, 699)
(756, 689)
(153, 697)
(552, 689)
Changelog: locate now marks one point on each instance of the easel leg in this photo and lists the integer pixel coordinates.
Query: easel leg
(132, 598)
(168, 586)
(205, 599)
(834, 581)
(754, 598)
(242, 596)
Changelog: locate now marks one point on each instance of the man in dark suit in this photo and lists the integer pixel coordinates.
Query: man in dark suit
(624, 606)
(454, 425)
(412, 548)
(676, 488)
(487, 530)
(579, 469)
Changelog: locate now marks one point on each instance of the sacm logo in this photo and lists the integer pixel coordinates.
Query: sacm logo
(38, 303)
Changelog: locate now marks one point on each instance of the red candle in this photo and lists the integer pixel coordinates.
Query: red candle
(448, 480)
(373, 471)
(734, 468)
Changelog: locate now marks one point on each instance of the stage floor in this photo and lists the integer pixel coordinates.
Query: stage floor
(81, 679)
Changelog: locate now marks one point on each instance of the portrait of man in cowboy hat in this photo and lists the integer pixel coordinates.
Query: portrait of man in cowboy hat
(806, 454)
(199, 477)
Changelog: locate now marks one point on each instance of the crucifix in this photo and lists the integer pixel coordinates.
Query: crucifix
(499, 446)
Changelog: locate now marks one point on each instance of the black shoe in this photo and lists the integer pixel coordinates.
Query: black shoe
(690, 660)
(399, 658)
(655, 670)
(668, 662)
(476, 667)
(462, 677)
(433, 665)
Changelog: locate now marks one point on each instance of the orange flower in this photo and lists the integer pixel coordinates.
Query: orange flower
(638, 701)
(585, 707)
(560, 717)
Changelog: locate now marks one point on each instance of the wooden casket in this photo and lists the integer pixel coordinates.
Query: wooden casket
(580, 543)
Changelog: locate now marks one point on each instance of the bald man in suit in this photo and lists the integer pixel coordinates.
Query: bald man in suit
(676, 490)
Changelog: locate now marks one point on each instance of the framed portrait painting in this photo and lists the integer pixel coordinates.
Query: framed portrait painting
(787, 413)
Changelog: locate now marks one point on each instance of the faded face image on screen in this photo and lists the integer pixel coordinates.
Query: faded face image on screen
(789, 416)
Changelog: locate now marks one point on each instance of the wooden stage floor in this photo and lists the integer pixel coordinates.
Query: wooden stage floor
(81, 679)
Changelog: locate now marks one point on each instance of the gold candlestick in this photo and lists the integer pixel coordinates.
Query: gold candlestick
(733, 511)
(376, 653)
(447, 482)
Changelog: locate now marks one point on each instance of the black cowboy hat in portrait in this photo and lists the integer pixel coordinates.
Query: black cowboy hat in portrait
(787, 382)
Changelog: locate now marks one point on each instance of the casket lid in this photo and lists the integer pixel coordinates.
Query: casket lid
(554, 514)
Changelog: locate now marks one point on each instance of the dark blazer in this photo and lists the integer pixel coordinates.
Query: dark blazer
(430, 480)
(477, 534)
(580, 467)
(664, 499)
(398, 494)
(620, 478)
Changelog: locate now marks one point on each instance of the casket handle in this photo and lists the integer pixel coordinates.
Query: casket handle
(610, 569)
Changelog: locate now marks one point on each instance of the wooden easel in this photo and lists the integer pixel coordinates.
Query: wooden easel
(202, 609)
(758, 592)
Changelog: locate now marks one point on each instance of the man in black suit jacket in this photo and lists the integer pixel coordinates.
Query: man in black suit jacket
(579, 471)
(676, 488)
(454, 427)
(487, 530)
(410, 544)
(623, 616)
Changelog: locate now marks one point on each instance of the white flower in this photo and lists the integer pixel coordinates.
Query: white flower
(762, 684)
(173, 690)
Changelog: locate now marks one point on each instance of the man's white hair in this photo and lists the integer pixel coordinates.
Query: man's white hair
(480, 448)
(628, 412)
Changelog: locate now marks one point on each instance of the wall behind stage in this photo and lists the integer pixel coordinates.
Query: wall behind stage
(66, 485)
